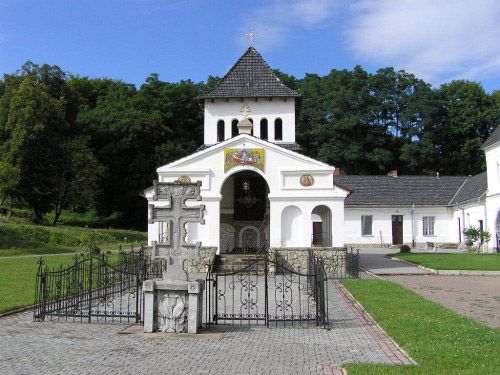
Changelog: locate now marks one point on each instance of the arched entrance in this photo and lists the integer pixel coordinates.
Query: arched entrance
(244, 213)
(321, 218)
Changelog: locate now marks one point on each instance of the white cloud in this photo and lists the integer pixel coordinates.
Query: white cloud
(437, 40)
(274, 21)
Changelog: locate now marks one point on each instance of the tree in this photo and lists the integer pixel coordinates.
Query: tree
(9, 178)
(35, 123)
(78, 177)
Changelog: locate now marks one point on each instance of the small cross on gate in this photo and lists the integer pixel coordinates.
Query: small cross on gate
(176, 215)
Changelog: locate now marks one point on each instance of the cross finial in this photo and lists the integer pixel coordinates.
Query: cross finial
(245, 110)
(251, 35)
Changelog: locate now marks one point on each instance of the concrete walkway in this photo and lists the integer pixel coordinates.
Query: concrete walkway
(27, 347)
(377, 262)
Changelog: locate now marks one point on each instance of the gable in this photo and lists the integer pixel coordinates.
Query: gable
(200, 158)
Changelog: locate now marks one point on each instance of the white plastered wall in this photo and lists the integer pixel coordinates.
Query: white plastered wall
(282, 173)
(382, 225)
(227, 110)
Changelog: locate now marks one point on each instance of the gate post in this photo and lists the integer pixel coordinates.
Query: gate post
(266, 306)
(90, 290)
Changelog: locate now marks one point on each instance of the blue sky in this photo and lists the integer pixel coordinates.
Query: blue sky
(191, 39)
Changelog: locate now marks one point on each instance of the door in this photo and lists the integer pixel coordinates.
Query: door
(317, 233)
(397, 229)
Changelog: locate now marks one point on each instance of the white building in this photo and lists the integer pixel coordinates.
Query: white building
(258, 189)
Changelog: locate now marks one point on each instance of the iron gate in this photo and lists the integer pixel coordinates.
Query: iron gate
(268, 291)
(95, 288)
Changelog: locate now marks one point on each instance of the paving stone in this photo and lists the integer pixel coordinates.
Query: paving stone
(28, 347)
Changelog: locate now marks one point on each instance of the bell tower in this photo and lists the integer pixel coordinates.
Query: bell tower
(269, 104)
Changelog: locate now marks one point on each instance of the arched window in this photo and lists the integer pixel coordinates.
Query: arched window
(234, 127)
(278, 129)
(220, 130)
(263, 129)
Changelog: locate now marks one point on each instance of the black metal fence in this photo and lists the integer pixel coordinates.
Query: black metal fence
(95, 288)
(268, 292)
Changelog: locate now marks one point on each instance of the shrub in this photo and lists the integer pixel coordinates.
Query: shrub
(405, 249)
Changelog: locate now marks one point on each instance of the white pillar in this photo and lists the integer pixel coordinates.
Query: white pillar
(274, 223)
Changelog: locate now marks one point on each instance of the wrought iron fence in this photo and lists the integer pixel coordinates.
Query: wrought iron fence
(268, 292)
(95, 288)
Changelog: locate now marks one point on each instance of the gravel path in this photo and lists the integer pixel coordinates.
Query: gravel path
(475, 296)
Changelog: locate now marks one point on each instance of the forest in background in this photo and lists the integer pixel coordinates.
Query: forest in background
(91, 145)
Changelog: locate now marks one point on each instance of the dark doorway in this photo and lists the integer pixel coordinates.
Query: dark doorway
(397, 229)
(481, 228)
(317, 233)
(459, 231)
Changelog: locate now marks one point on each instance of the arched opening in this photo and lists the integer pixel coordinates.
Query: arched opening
(291, 227)
(278, 129)
(220, 130)
(244, 213)
(234, 127)
(251, 120)
(263, 129)
(321, 221)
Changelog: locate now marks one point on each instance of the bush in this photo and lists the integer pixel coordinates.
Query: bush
(405, 249)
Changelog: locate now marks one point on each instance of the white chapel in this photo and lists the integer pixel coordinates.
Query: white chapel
(259, 190)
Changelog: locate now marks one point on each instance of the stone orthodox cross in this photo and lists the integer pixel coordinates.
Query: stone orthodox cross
(176, 215)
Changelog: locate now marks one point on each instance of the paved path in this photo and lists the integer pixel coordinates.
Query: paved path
(379, 263)
(475, 296)
(56, 348)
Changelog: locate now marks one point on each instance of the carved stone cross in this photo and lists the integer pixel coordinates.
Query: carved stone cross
(176, 215)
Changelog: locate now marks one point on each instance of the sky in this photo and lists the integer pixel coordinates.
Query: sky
(437, 40)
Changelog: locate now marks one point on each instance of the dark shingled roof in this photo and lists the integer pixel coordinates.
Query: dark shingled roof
(493, 138)
(473, 188)
(401, 190)
(250, 77)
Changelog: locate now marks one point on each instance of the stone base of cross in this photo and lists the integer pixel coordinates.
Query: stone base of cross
(176, 215)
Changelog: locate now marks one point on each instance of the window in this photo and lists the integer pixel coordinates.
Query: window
(234, 128)
(278, 129)
(366, 225)
(251, 120)
(263, 129)
(220, 130)
(428, 225)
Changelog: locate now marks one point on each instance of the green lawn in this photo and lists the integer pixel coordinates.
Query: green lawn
(17, 279)
(438, 339)
(463, 261)
(26, 239)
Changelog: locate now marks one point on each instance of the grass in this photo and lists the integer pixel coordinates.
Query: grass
(17, 279)
(438, 339)
(463, 261)
(27, 239)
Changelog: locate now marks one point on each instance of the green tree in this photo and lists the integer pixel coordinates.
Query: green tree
(9, 178)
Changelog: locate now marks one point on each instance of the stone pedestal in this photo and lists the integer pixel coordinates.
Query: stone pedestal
(173, 306)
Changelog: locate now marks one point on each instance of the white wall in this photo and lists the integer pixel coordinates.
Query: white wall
(492, 154)
(221, 109)
(208, 167)
(444, 228)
